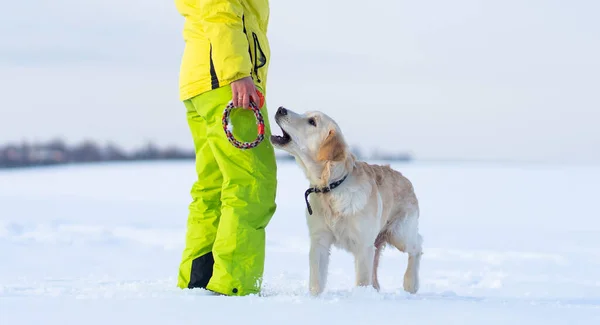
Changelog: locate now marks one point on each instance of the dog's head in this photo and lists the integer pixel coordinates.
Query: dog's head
(313, 138)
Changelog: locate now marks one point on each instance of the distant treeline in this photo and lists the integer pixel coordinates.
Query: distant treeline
(57, 152)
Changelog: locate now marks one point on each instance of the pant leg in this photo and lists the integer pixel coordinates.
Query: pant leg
(248, 196)
(197, 261)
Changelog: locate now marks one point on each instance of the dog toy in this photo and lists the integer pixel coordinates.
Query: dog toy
(228, 127)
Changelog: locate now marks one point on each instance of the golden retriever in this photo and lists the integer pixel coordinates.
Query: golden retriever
(353, 205)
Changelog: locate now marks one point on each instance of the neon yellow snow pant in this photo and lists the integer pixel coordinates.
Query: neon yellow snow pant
(233, 199)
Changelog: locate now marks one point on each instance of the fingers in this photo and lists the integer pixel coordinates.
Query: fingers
(251, 98)
(246, 100)
(236, 94)
(255, 98)
(239, 96)
(243, 91)
(234, 97)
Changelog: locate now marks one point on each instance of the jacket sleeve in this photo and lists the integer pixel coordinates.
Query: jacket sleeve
(222, 22)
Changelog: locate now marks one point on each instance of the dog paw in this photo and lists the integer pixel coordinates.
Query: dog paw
(315, 290)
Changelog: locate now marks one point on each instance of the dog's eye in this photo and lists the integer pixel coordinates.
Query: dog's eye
(312, 121)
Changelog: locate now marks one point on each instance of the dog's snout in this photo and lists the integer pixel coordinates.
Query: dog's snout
(281, 111)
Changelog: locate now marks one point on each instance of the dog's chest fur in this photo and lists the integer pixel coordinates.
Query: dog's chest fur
(342, 213)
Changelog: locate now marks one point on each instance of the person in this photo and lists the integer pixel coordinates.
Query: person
(226, 58)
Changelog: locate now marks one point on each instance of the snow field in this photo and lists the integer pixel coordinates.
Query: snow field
(101, 244)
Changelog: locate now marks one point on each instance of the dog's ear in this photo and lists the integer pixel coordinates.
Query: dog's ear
(332, 148)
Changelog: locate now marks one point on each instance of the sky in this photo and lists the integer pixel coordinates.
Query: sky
(453, 80)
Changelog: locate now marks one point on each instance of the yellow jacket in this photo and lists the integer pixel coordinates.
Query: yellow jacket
(225, 40)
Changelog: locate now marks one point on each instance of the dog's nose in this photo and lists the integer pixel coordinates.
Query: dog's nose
(281, 111)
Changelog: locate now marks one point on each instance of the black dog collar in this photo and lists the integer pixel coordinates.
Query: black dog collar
(321, 190)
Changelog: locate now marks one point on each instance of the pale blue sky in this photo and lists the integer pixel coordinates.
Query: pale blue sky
(505, 80)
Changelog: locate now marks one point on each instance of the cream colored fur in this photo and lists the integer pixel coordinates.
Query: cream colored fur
(374, 206)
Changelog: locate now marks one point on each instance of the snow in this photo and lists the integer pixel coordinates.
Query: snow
(100, 244)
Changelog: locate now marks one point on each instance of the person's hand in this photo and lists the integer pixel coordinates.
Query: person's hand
(242, 91)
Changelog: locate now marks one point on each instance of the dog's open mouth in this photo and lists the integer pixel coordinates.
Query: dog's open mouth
(281, 139)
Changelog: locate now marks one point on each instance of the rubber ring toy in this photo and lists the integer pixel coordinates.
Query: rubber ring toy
(228, 127)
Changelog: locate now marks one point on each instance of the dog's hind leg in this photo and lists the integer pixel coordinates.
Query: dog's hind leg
(411, 276)
(379, 244)
(405, 238)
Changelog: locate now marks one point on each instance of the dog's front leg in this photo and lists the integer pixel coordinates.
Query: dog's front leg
(319, 261)
(363, 260)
